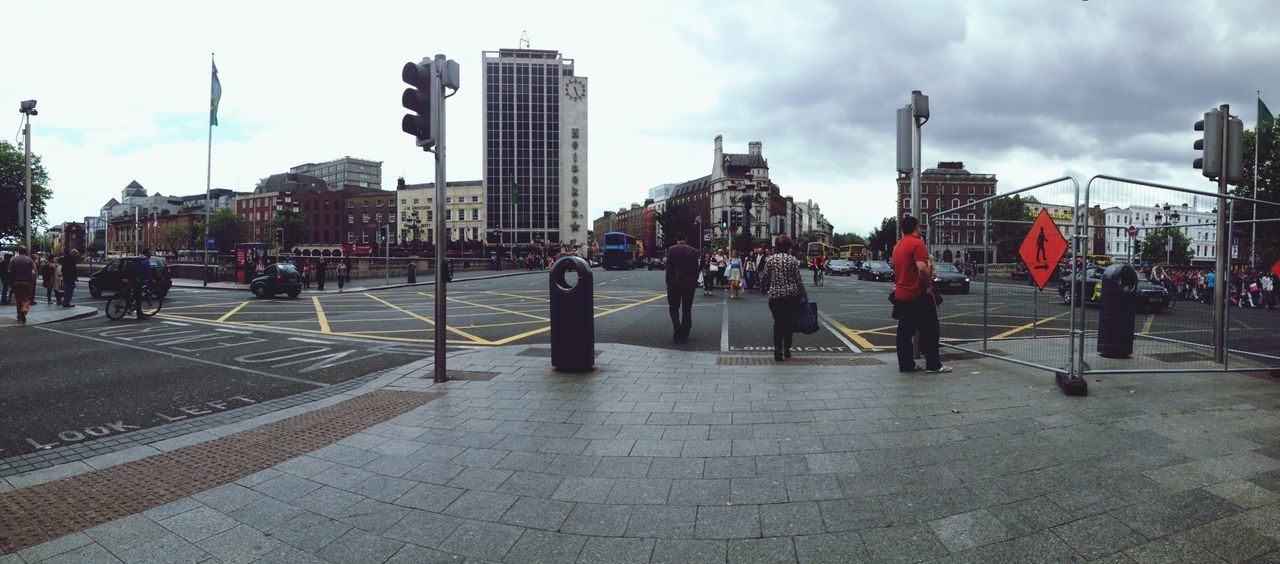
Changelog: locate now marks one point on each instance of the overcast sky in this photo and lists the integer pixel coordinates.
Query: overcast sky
(1025, 89)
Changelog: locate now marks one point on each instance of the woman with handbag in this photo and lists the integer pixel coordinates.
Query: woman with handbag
(780, 279)
(735, 275)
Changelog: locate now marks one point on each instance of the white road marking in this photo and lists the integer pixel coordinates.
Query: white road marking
(190, 358)
(176, 323)
(724, 326)
(234, 331)
(317, 341)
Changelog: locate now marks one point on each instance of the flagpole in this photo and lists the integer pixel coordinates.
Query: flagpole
(208, 202)
(1253, 239)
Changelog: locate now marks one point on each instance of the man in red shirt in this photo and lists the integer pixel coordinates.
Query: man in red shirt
(913, 292)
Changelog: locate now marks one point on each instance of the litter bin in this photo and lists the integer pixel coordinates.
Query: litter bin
(573, 332)
(1118, 311)
(413, 272)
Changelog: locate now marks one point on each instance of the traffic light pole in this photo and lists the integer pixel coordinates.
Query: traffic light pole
(1223, 247)
(26, 150)
(386, 250)
(437, 95)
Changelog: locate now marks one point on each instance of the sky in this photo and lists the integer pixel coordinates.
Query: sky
(1028, 90)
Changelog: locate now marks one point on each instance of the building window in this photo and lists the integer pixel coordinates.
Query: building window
(351, 218)
(475, 214)
(971, 189)
(402, 201)
(475, 199)
(364, 218)
(955, 202)
(378, 218)
(415, 201)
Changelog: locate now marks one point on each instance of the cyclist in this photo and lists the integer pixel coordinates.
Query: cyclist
(140, 278)
(819, 268)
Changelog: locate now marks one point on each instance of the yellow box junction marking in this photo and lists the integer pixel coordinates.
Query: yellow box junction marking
(324, 321)
(474, 339)
(233, 311)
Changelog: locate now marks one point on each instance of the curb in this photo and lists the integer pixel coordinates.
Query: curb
(81, 315)
(373, 288)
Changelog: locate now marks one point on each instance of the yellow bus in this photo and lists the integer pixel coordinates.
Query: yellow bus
(818, 248)
(851, 252)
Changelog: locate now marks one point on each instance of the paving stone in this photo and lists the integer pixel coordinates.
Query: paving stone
(479, 457)
(240, 544)
(392, 465)
(169, 548)
(287, 487)
(631, 491)
(762, 550)
(1231, 540)
(59, 546)
(373, 516)
(285, 554)
(1097, 536)
(537, 513)
(134, 530)
(597, 520)
(412, 554)
(908, 543)
(707, 448)
(309, 531)
(87, 554)
(304, 466)
(1244, 493)
(195, 525)
(433, 472)
(869, 483)
(731, 467)
(853, 514)
(1042, 546)
(727, 522)
(678, 551)
(656, 448)
(661, 521)
(227, 497)
(341, 477)
(485, 541)
(429, 497)
(482, 506)
(526, 461)
(531, 484)
(546, 546)
(423, 528)
(571, 465)
(609, 447)
(833, 548)
(757, 490)
(584, 490)
(487, 479)
(813, 488)
(1030, 515)
(699, 492)
(682, 468)
(360, 546)
(623, 467)
(172, 508)
(616, 551)
(265, 513)
(969, 530)
(784, 519)
(1170, 549)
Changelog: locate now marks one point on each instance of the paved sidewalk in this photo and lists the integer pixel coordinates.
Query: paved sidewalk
(662, 456)
(42, 313)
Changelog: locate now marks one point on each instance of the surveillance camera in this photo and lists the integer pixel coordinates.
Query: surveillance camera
(28, 107)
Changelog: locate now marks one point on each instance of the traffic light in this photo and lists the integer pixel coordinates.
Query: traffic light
(279, 238)
(1210, 162)
(1235, 146)
(1137, 247)
(382, 235)
(422, 98)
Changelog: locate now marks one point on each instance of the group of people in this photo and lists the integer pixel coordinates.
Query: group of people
(1248, 287)
(776, 273)
(20, 274)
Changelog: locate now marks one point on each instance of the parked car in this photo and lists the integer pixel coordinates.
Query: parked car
(279, 278)
(656, 263)
(876, 270)
(840, 267)
(1151, 297)
(947, 278)
(111, 277)
(1019, 271)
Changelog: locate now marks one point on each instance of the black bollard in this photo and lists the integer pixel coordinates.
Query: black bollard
(573, 337)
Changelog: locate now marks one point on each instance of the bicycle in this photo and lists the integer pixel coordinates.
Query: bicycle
(123, 302)
(818, 276)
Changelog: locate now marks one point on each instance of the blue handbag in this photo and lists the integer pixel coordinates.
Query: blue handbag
(807, 318)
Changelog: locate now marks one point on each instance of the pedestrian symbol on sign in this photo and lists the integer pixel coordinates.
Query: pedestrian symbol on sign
(1042, 249)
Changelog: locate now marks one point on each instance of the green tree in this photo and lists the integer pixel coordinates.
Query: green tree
(13, 173)
(1153, 246)
(842, 239)
(1268, 182)
(175, 236)
(294, 225)
(1007, 237)
(674, 219)
(228, 228)
(881, 240)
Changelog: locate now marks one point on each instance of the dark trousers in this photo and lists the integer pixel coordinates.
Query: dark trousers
(6, 291)
(320, 280)
(784, 319)
(920, 315)
(680, 303)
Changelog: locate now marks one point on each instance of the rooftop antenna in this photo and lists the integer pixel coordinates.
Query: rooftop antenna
(524, 39)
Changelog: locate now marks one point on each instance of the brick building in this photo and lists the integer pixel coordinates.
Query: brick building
(943, 188)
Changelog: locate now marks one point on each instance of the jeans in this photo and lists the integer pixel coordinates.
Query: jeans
(784, 319)
(6, 291)
(68, 288)
(680, 304)
(920, 315)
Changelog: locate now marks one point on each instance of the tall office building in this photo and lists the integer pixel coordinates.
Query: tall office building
(346, 172)
(535, 148)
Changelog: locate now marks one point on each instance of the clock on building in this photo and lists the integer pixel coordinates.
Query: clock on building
(575, 89)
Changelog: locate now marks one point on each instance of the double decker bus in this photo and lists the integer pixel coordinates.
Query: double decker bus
(852, 252)
(817, 249)
(619, 251)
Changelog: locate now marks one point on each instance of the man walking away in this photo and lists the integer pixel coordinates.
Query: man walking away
(682, 280)
(141, 279)
(916, 308)
(22, 274)
(320, 266)
(69, 276)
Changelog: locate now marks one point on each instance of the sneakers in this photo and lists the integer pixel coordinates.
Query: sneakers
(939, 370)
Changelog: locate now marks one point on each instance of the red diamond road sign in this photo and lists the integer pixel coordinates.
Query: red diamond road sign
(1042, 249)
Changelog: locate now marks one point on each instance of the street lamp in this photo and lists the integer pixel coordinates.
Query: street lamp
(27, 108)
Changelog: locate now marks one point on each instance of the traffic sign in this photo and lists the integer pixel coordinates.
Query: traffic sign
(1042, 248)
(1133, 231)
(210, 243)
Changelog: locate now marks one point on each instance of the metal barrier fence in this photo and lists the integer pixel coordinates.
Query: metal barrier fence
(1167, 233)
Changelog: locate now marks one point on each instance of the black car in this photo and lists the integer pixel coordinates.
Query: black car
(656, 263)
(111, 277)
(279, 278)
(876, 270)
(840, 267)
(947, 278)
(1151, 297)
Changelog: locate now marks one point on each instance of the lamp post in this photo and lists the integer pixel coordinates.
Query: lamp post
(27, 108)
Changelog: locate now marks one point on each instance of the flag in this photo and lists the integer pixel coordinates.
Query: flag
(1266, 129)
(515, 192)
(215, 95)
